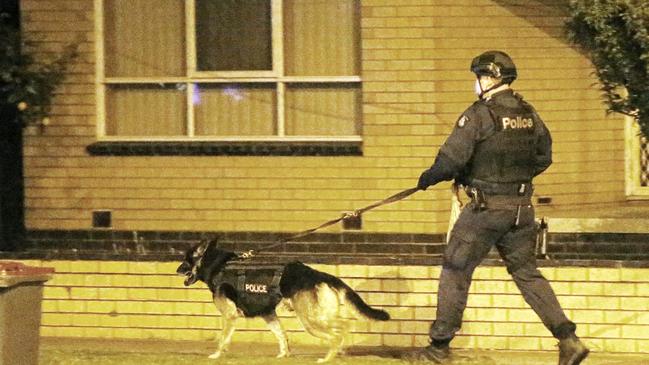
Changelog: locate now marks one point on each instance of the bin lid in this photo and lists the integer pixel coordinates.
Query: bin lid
(13, 273)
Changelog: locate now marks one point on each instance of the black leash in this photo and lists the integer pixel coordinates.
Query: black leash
(396, 197)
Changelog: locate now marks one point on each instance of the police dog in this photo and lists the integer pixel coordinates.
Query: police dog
(323, 303)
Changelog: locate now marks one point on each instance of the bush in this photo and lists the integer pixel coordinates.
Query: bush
(26, 86)
(615, 36)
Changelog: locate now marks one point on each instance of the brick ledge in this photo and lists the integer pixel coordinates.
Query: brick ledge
(200, 148)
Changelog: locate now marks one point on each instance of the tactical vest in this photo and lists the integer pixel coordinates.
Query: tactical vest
(257, 286)
(508, 155)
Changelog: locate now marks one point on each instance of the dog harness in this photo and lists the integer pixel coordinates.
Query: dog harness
(257, 285)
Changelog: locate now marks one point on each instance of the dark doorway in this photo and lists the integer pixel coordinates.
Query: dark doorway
(12, 222)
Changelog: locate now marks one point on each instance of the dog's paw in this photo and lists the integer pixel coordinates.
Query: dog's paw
(215, 355)
(323, 360)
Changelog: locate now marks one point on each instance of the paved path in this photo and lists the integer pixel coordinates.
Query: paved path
(461, 357)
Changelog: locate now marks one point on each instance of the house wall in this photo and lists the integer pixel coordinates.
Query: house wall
(146, 300)
(415, 57)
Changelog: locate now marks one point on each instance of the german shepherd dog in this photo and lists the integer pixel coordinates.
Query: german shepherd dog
(323, 303)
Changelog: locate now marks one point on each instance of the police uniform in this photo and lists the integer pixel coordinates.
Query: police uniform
(497, 146)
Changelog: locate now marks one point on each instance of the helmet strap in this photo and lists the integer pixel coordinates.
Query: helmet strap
(492, 87)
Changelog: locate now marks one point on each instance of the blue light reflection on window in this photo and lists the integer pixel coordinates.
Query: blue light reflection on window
(233, 92)
(196, 94)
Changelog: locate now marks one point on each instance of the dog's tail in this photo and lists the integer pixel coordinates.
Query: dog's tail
(364, 309)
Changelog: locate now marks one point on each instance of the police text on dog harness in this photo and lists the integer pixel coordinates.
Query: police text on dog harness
(256, 288)
(256, 284)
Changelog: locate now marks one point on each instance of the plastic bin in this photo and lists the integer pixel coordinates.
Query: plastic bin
(21, 292)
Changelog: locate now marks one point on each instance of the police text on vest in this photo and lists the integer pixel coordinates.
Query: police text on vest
(256, 288)
(518, 122)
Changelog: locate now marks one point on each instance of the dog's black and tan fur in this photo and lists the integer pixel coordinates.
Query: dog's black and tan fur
(323, 303)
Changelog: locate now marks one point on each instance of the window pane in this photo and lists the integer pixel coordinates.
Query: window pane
(146, 110)
(323, 110)
(144, 37)
(235, 109)
(233, 35)
(322, 37)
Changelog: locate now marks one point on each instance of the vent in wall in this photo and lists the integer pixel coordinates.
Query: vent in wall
(102, 219)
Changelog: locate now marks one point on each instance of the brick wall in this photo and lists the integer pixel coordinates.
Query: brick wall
(121, 299)
(416, 83)
(415, 57)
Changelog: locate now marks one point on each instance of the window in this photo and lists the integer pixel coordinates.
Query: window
(233, 35)
(637, 161)
(279, 70)
(644, 161)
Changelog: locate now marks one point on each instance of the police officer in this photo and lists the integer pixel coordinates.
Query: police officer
(497, 146)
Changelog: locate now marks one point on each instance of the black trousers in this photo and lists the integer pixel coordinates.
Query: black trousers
(514, 235)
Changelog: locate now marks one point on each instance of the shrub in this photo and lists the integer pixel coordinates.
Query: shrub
(27, 86)
(615, 36)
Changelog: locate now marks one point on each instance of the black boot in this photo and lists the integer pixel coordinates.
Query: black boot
(572, 351)
(435, 352)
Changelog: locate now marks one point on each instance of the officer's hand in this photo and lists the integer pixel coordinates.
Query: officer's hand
(424, 180)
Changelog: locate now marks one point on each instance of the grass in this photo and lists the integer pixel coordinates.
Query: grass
(133, 352)
(94, 357)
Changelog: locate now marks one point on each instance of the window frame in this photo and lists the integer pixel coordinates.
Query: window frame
(634, 188)
(193, 76)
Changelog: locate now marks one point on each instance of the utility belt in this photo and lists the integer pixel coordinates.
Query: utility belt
(506, 189)
(481, 200)
(500, 196)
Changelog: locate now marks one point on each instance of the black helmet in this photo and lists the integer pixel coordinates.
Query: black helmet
(496, 64)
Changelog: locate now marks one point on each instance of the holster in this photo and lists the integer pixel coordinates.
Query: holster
(477, 198)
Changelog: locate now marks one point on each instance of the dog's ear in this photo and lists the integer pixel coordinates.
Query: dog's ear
(202, 247)
(205, 245)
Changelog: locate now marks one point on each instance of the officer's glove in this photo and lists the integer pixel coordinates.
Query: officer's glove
(426, 179)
